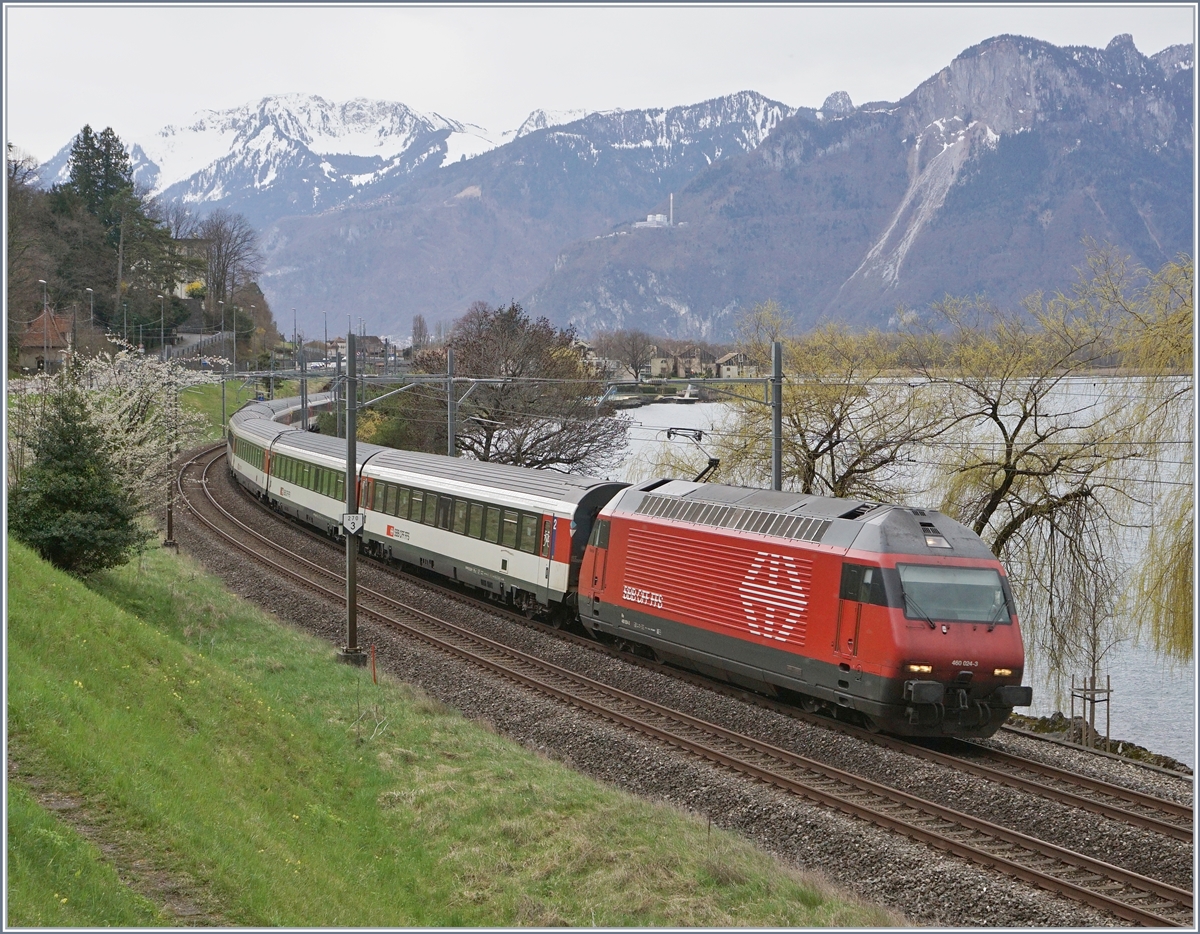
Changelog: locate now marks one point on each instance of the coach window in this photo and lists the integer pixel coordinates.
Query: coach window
(445, 506)
(509, 538)
(475, 530)
(460, 516)
(401, 507)
(431, 501)
(417, 505)
(529, 526)
(389, 500)
(340, 488)
(491, 528)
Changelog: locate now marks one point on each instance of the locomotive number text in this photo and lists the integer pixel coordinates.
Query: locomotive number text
(637, 595)
(961, 663)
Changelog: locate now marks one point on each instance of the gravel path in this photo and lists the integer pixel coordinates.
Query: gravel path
(928, 887)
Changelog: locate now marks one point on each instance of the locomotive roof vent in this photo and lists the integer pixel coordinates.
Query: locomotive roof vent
(717, 515)
(860, 510)
(933, 538)
(918, 512)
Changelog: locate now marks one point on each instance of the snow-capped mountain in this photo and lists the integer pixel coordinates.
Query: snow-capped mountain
(491, 227)
(294, 154)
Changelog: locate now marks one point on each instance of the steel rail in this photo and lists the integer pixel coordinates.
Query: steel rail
(1141, 900)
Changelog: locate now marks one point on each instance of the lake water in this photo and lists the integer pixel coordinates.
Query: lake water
(1153, 701)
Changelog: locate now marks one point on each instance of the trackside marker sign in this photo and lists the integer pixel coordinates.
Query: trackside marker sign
(352, 522)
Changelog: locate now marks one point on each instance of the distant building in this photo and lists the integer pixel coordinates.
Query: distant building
(44, 342)
(653, 220)
(695, 361)
(190, 248)
(735, 365)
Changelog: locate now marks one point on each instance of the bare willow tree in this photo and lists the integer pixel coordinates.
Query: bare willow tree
(851, 428)
(232, 252)
(1037, 462)
(1155, 341)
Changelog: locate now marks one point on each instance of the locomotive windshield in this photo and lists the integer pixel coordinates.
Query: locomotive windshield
(974, 595)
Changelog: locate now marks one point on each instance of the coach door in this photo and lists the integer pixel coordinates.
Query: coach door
(545, 550)
(600, 563)
(848, 635)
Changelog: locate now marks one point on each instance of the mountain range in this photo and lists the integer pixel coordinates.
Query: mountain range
(985, 180)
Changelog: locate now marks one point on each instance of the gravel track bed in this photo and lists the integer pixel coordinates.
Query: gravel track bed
(927, 886)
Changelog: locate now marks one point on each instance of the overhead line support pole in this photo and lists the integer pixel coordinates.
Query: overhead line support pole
(451, 404)
(777, 416)
(351, 654)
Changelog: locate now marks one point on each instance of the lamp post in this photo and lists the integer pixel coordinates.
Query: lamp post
(45, 329)
(252, 329)
(91, 307)
(162, 330)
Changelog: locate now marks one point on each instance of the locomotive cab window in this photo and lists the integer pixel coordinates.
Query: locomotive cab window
(945, 592)
(863, 584)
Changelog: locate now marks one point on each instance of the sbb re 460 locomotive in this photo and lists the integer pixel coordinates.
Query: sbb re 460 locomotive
(899, 618)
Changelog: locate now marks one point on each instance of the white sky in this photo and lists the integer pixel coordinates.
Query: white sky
(138, 67)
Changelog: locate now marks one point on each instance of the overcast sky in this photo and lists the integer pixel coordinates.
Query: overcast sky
(139, 67)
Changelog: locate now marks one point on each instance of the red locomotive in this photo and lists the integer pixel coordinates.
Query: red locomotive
(901, 615)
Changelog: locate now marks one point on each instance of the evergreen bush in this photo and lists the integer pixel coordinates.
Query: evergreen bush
(69, 505)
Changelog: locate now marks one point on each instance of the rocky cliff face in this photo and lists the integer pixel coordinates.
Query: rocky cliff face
(985, 180)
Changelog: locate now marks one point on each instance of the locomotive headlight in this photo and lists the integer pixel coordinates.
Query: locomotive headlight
(1003, 672)
(919, 669)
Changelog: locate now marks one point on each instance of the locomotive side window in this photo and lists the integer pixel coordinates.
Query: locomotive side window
(529, 526)
(491, 529)
(476, 526)
(600, 534)
(509, 539)
(460, 516)
(863, 584)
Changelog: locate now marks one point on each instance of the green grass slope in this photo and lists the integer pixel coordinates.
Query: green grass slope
(233, 751)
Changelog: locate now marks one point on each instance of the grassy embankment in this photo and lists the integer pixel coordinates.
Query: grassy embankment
(207, 400)
(222, 747)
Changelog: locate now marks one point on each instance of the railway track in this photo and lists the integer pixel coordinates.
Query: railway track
(1129, 806)
(1125, 894)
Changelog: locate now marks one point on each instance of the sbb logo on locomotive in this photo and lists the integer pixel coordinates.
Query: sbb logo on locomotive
(775, 593)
